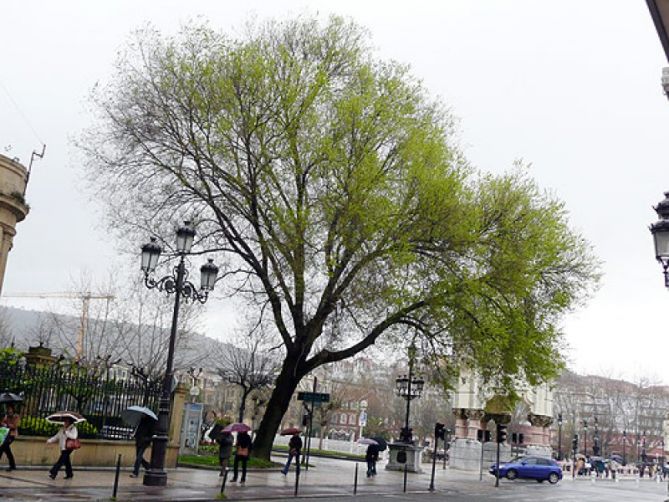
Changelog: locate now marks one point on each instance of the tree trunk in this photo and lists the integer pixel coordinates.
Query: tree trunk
(242, 405)
(285, 386)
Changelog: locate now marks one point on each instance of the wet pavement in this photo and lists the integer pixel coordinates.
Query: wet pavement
(328, 480)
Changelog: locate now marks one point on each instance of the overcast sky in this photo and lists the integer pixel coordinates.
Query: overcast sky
(572, 87)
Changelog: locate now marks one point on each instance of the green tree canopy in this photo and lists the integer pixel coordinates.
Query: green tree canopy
(329, 182)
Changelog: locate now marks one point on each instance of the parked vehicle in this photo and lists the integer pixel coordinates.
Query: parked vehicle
(538, 468)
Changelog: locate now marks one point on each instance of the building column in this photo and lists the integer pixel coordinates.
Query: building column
(541, 434)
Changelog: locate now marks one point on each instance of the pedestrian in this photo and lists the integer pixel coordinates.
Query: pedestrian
(225, 442)
(11, 420)
(294, 451)
(242, 455)
(371, 457)
(67, 431)
(143, 436)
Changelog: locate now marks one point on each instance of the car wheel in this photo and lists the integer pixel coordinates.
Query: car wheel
(553, 478)
(512, 474)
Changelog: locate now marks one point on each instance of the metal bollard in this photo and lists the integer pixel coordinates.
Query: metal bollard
(355, 480)
(405, 478)
(225, 479)
(297, 474)
(118, 471)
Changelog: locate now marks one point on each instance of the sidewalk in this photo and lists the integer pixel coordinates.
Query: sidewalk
(328, 478)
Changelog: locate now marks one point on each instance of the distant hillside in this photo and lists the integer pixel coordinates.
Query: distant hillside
(142, 345)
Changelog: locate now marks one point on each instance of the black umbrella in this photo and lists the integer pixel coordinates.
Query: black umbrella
(382, 443)
(10, 397)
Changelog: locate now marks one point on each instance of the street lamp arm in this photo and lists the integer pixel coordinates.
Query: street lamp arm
(168, 284)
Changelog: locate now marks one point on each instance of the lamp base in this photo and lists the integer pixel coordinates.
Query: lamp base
(155, 478)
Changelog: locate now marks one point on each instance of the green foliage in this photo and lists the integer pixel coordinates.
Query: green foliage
(10, 357)
(38, 426)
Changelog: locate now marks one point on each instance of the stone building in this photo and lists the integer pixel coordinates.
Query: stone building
(13, 208)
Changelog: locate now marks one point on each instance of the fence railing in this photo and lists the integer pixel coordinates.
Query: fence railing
(88, 391)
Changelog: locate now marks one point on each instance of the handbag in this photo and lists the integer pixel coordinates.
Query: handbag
(72, 444)
(242, 452)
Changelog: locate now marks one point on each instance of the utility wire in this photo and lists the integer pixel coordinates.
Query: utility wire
(23, 115)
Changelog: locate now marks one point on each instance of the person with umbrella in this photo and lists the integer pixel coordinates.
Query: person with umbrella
(143, 435)
(11, 420)
(242, 454)
(67, 439)
(294, 450)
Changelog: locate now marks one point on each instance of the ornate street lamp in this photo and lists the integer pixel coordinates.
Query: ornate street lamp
(409, 387)
(559, 436)
(176, 283)
(660, 231)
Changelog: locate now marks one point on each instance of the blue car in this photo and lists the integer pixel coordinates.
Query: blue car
(538, 468)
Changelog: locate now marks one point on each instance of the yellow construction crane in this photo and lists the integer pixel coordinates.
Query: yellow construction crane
(85, 297)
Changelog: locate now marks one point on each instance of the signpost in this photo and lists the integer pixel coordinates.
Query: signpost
(316, 399)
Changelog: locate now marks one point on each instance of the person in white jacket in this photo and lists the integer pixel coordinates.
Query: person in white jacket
(67, 431)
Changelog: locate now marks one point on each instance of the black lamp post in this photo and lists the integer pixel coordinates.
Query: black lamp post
(177, 283)
(595, 440)
(559, 436)
(585, 438)
(409, 387)
(660, 231)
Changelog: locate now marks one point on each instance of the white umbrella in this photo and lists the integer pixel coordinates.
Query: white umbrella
(60, 416)
(134, 414)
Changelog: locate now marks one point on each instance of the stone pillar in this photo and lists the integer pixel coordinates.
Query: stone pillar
(460, 423)
(539, 443)
(474, 422)
(177, 414)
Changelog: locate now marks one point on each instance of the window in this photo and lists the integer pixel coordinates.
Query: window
(352, 419)
(342, 418)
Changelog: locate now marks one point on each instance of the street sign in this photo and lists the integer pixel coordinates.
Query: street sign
(313, 397)
(362, 419)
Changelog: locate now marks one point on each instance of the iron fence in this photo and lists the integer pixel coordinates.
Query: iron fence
(92, 392)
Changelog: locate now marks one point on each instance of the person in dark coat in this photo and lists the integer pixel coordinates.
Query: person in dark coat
(371, 457)
(11, 420)
(225, 442)
(143, 436)
(294, 451)
(242, 455)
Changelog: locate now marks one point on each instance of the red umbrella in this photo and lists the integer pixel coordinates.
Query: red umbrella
(237, 427)
(290, 431)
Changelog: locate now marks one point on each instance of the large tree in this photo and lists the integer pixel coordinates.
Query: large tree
(330, 183)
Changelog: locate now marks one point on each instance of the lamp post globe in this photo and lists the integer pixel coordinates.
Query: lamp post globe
(208, 273)
(660, 231)
(185, 236)
(150, 255)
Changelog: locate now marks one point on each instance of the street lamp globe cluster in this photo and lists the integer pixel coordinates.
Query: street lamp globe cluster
(176, 283)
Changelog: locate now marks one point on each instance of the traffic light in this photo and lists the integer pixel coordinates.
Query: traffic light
(501, 433)
(574, 443)
(305, 420)
(440, 431)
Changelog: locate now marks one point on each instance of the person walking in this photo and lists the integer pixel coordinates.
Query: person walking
(143, 436)
(242, 455)
(371, 457)
(11, 420)
(294, 451)
(225, 442)
(67, 431)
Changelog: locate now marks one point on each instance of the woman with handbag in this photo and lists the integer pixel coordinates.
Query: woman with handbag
(242, 455)
(67, 439)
